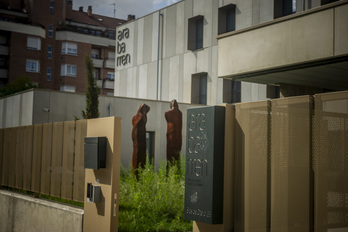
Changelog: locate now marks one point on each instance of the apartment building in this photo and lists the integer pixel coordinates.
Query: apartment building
(173, 53)
(47, 40)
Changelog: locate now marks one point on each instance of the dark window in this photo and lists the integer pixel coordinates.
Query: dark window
(273, 91)
(227, 19)
(284, 7)
(50, 30)
(49, 52)
(150, 146)
(231, 91)
(85, 31)
(51, 7)
(199, 89)
(49, 74)
(323, 2)
(98, 33)
(195, 33)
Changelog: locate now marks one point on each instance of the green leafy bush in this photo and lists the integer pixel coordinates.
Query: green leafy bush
(154, 202)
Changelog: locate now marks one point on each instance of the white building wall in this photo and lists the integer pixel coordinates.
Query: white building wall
(160, 60)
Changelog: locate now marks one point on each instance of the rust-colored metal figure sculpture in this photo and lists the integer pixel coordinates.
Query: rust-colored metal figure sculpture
(174, 136)
(139, 138)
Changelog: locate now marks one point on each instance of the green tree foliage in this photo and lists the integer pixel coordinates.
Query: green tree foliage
(21, 84)
(92, 98)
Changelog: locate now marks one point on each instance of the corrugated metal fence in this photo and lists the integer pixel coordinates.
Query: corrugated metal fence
(291, 164)
(45, 158)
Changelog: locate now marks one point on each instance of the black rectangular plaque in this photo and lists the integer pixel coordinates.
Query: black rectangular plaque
(204, 175)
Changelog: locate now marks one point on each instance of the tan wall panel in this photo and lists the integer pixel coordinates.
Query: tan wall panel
(12, 159)
(46, 158)
(1, 152)
(330, 162)
(103, 216)
(68, 160)
(27, 157)
(20, 157)
(290, 165)
(36, 162)
(57, 151)
(79, 170)
(251, 159)
(6, 156)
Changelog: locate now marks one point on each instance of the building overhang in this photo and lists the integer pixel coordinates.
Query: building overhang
(83, 38)
(23, 28)
(308, 48)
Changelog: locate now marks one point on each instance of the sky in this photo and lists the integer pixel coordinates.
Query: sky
(138, 8)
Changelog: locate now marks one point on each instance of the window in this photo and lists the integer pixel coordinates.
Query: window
(68, 88)
(49, 52)
(96, 73)
(33, 43)
(273, 91)
(284, 7)
(49, 74)
(85, 31)
(51, 7)
(195, 33)
(150, 146)
(69, 48)
(95, 54)
(227, 18)
(50, 30)
(32, 66)
(199, 89)
(111, 56)
(323, 2)
(111, 76)
(98, 33)
(68, 70)
(231, 91)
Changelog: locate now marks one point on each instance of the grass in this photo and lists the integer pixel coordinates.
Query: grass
(154, 202)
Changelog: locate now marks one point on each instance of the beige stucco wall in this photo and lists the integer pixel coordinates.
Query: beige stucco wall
(314, 35)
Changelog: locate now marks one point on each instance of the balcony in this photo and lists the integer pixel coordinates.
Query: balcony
(109, 64)
(3, 73)
(107, 84)
(97, 63)
(308, 48)
(3, 50)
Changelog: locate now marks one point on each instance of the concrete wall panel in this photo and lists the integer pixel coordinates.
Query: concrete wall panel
(170, 31)
(140, 42)
(181, 33)
(341, 31)
(27, 108)
(147, 42)
(268, 47)
(24, 213)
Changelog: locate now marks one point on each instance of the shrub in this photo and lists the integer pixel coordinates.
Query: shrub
(155, 202)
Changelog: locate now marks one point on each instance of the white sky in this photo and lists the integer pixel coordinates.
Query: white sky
(138, 8)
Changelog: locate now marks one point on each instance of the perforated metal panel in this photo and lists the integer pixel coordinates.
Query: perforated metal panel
(251, 166)
(290, 164)
(330, 161)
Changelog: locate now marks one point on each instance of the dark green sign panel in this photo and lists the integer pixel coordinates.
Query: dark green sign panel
(204, 175)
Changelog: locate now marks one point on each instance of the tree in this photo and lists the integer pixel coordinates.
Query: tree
(20, 84)
(92, 101)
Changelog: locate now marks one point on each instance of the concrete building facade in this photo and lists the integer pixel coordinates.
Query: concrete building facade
(47, 41)
(304, 50)
(173, 53)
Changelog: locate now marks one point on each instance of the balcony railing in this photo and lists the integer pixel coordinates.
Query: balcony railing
(107, 84)
(97, 63)
(109, 64)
